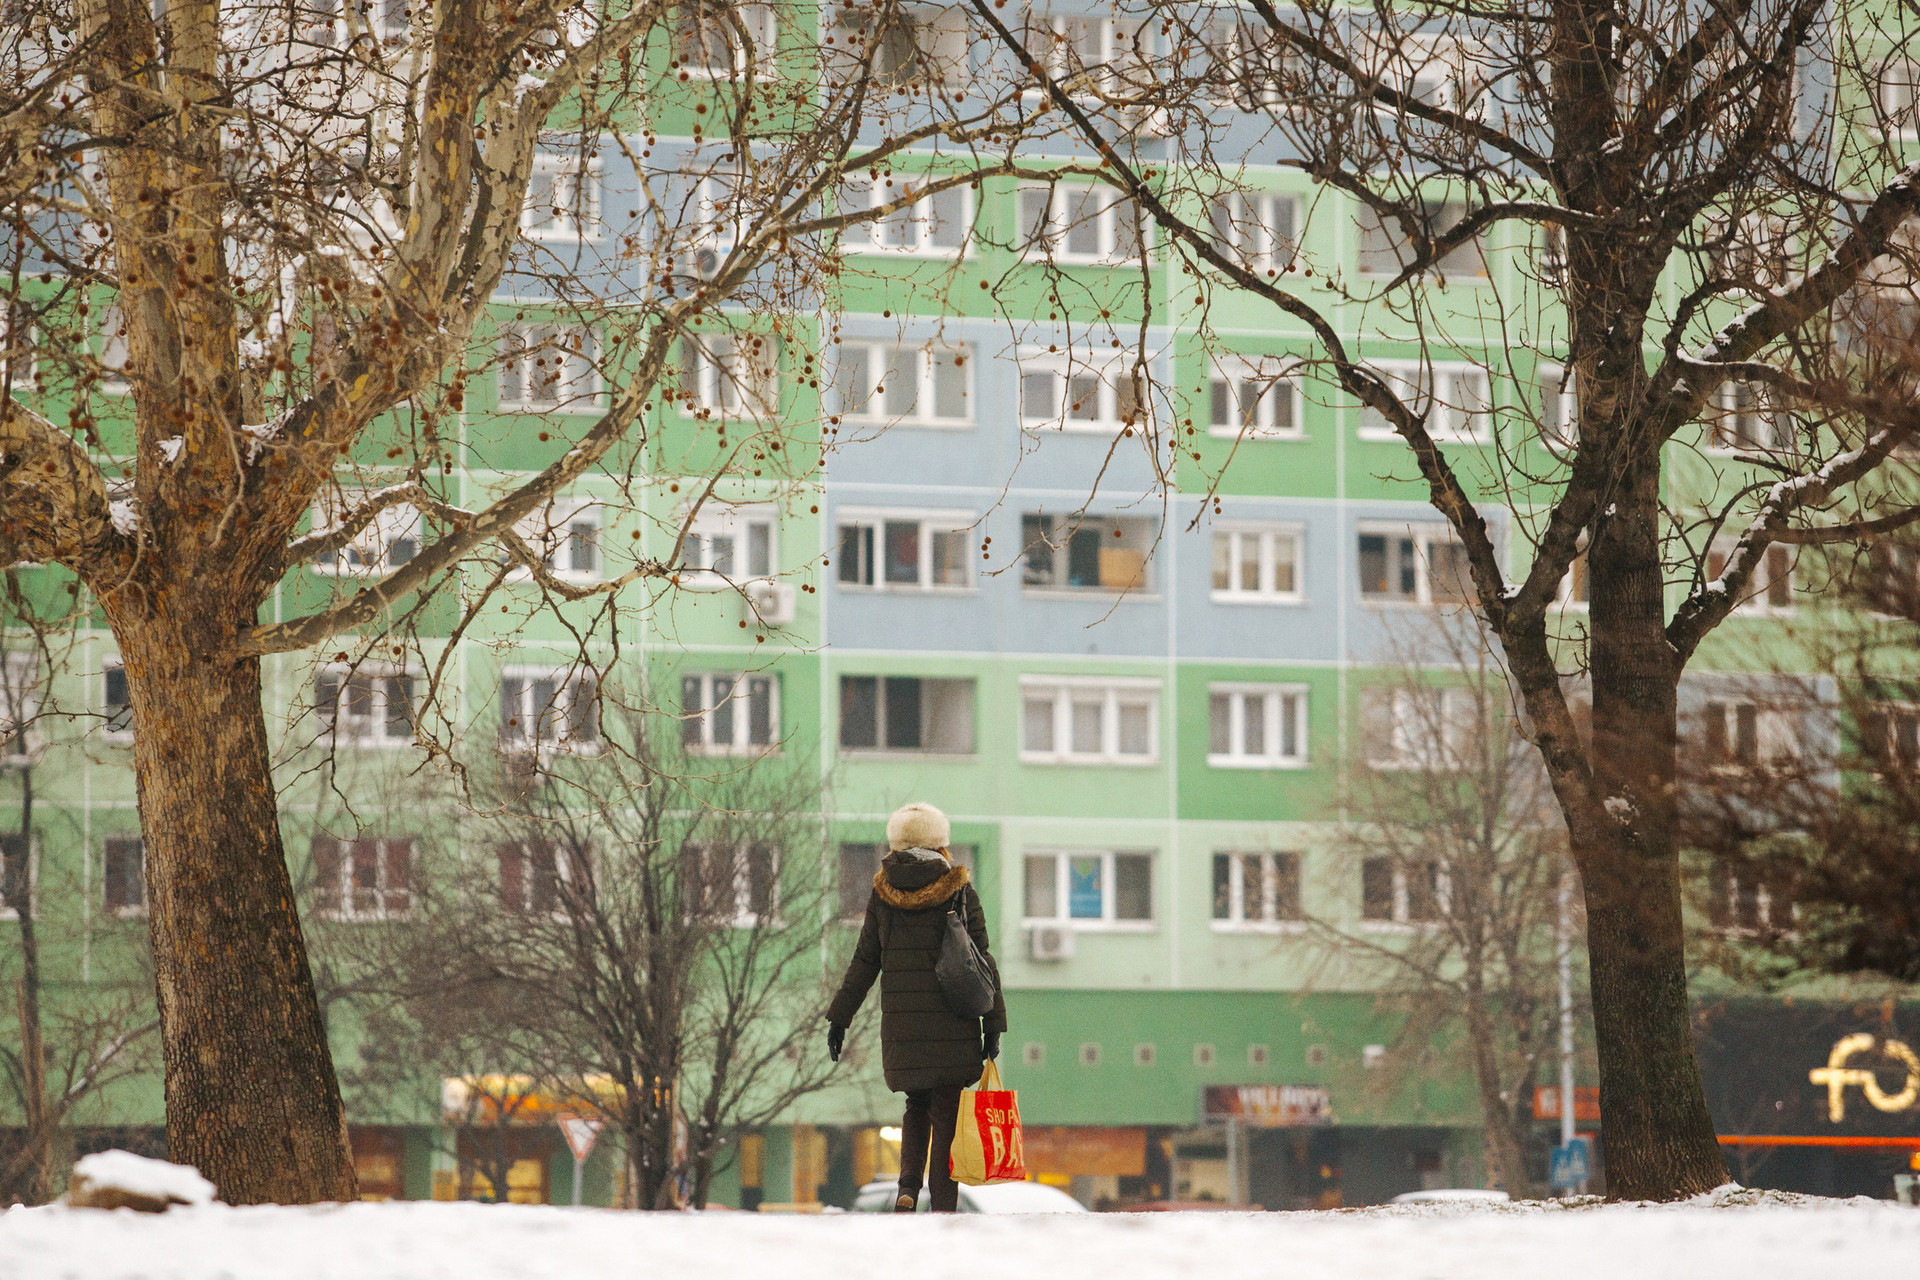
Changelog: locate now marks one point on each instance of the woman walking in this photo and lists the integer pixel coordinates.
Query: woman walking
(928, 1052)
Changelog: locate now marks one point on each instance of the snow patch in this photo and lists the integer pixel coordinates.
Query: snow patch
(125, 518)
(140, 1176)
(1620, 809)
(171, 447)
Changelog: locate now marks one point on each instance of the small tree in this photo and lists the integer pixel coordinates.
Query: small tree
(1461, 859)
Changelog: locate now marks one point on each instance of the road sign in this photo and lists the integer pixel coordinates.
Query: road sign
(1572, 1163)
(580, 1132)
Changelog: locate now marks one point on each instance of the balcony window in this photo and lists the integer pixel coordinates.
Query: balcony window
(1386, 249)
(707, 43)
(365, 706)
(1089, 721)
(385, 543)
(1395, 892)
(1257, 564)
(1742, 420)
(1079, 223)
(549, 710)
(1089, 888)
(1255, 890)
(1451, 396)
(905, 554)
(548, 368)
(1248, 397)
(1256, 726)
(1770, 589)
(1257, 230)
(730, 376)
(726, 545)
(731, 885)
(362, 879)
(1086, 553)
(935, 224)
(729, 713)
(1413, 566)
(1438, 730)
(563, 198)
(892, 385)
(906, 714)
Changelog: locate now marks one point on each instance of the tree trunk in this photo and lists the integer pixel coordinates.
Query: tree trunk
(252, 1099)
(1657, 1133)
(1496, 1117)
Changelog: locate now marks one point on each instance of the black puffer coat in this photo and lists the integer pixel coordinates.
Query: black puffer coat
(923, 1043)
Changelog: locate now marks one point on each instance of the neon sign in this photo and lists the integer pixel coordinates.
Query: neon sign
(1837, 1075)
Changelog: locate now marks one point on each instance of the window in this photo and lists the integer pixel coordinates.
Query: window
(1257, 565)
(1552, 259)
(1559, 408)
(548, 710)
(1770, 589)
(1890, 736)
(1434, 729)
(859, 863)
(1413, 566)
(1089, 721)
(365, 706)
(1742, 419)
(901, 46)
(1259, 231)
(1089, 888)
(547, 367)
(1898, 77)
(735, 885)
(563, 198)
(114, 352)
(1891, 582)
(536, 876)
(362, 879)
(19, 705)
(1439, 73)
(124, 881)
(1741, 901)
(732, 376)
(908, 554)
(383, 544)
(906, 713)
(926, 386)
(1255, 67)
(729, 545)
(1255, 890)
(1251, 397)
(1079, 393)
(1081, 223)
(1753, 252)
(1256, 726)
(391, 20)
(1747, 735)
(566, 537)
(116, 703)
(1386, 249)
(1088, 53)
(707, 43)
(935, 224)
(1392, 892)
(729, 713)
(1086, 553)
(17, 873)
(721, 196)
(1453, 397)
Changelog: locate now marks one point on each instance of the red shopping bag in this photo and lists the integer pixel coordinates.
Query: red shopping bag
(986, 1141)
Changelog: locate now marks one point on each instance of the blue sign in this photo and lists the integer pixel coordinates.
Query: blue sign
(1572, 1164)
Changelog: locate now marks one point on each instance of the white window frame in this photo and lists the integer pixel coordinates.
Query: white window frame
(19, 707)
(563, 873)
(1268, 538)
(1559, 407)
(121, 734)
(1108, 921)
(1052, 36)
(345, 908)
(1065, 369)
(743, 916)
(374, 546)
(1051, 241)
(1424, 386)
(737, 706)
(1235, 371)
(1755, 602)
(550, 531)
(1244, 227)
(872, 554)
(881, 358)
(1237, 920)
(882, 714)
(925, 233)
(372, 733)
(1779, 733)
(938, 36)
(1446, 62)
(763, 29)
(712, 373)
(572, 208)
(1899, 97)
(1465, 263)
(523, 350)
(1061, 691)
(716, 520)
(1889, 756)
(1399, 921)
(1411, 740)
(1726, 432)
(1425, 537)
(1275, 704)
(1242, 46)
(114, 352)
(1064, 527)
(569, 684)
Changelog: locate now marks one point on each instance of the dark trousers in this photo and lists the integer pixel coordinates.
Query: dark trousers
(927, 1130)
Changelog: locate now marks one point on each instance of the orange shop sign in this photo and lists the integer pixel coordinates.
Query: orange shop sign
(1546, 1102)
(1271, 1106)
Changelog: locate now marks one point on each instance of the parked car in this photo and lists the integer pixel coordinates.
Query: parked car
(1002, 1197)
(1452, 1195)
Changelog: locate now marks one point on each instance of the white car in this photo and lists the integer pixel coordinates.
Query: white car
(1001, 1197)
(1452, 1195)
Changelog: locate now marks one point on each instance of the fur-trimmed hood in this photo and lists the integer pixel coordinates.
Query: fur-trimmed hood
(916, 879)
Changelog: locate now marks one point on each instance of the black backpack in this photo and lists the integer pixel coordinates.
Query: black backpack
(963, 971)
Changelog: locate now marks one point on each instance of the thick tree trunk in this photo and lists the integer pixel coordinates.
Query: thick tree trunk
(1659, 1138)
(252, 1099)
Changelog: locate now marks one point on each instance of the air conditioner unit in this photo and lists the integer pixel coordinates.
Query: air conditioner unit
(1050, 942)
(769, 604)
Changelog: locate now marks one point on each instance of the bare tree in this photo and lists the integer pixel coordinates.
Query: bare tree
(281, 231)
(1711, 199)
(1460, 856)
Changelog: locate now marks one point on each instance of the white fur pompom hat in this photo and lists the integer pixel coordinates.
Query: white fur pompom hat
(918, 826)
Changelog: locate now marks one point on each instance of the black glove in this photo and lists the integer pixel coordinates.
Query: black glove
(836, 1040)
(990, 1044)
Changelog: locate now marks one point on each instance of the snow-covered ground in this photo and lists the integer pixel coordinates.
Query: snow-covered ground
(1743, 1235)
